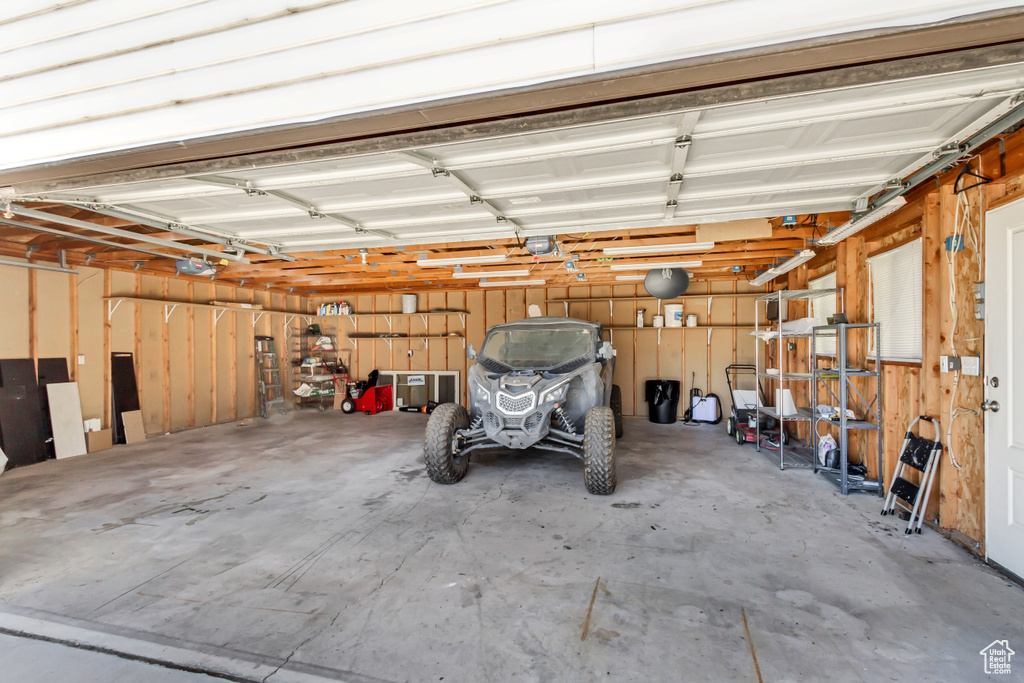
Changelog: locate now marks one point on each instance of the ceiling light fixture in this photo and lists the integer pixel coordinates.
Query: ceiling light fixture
(855, 225)
(650, 266)
(659, 248)
(630, 278)
(460, 261)
(514, 283)
(784, 267)
(490, 273)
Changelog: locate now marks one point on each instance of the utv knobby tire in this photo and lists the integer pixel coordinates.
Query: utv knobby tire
(616, 405)
(442, 466)
(599, 451)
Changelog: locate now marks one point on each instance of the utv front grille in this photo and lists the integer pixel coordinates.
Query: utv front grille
(516, 405)
(493, 422)
(532, 422)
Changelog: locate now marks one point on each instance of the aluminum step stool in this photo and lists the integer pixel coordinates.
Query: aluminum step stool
(269, 390)
(923, 455)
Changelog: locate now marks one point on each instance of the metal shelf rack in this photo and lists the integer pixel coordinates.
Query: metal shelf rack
(795, 455)
(837, 384)
(319, 373)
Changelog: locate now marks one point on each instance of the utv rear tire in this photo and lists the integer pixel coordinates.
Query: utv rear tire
(599, 451)
(616, 404)
(443, 466)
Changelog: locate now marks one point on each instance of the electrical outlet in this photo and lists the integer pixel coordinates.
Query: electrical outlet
(81, 359)
(410, 353)
(979, 310)
(949, 363)
(971, 365)
(979, 291)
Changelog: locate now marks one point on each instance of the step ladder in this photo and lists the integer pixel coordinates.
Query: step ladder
(269, 388)
(922, 455)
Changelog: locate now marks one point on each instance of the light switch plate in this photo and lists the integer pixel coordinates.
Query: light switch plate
(81, 359)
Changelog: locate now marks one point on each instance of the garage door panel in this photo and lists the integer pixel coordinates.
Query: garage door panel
(854, 102)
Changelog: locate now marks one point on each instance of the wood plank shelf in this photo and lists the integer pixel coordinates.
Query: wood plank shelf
(723, 295)
(694, 327)
(169, 306)
(388, 317)
(354, 340)
(395, 315)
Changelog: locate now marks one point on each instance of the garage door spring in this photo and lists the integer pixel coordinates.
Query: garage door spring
(566, 424)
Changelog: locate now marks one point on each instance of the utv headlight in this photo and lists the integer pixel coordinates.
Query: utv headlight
(554, 393)
(480, 392)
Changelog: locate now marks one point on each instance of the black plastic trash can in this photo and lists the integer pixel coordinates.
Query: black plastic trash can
(662, 400)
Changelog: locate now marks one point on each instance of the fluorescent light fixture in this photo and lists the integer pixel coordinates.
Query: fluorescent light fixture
(514, 283)
(852, 227)
(630, 278)
(784, 267)
(461, 261)
(659, 248)
(652, 266)
(490, 273)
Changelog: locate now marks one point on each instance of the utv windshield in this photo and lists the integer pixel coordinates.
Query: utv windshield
(538, 348)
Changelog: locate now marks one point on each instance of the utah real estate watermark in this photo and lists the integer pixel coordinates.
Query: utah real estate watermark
(997, 656)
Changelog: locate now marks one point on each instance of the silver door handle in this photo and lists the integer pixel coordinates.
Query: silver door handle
(990, 405)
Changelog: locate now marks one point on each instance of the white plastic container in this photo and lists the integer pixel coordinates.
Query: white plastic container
(659, 321)
(409, 303)
(673, 315)
(691, 320)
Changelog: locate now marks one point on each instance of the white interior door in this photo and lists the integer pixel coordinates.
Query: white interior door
(1004, 417)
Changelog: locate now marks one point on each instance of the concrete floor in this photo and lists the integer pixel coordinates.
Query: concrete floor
(313, 546)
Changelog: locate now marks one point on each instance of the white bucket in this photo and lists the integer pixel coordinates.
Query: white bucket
(691, 320)
(408, 303)
(673, 315)
(659, 321)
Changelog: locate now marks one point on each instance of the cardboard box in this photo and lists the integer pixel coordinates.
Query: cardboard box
(100, 440)
(134, 432)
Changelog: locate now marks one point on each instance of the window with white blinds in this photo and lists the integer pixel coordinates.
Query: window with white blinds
(821, 309)
(896, 301)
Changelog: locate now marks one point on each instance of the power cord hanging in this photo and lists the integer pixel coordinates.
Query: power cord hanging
(963, 229)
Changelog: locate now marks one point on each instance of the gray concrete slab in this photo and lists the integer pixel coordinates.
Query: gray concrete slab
(313, 546)
(26, 659)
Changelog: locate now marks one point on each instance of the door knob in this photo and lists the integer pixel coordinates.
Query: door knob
(990, 405)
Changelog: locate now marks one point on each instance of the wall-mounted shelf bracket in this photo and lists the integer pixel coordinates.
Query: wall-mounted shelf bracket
(112, 308)
(256, 318)
(217, 315)
(168, 309)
